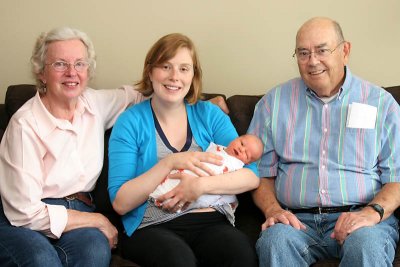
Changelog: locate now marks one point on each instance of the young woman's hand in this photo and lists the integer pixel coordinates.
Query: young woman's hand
(179, 198)
(193, 161)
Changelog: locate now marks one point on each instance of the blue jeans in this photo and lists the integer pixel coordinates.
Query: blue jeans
(283, 245)
(21, 246)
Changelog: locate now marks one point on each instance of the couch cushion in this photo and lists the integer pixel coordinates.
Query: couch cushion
(208, 96)
(241, 108)
(17, 95)
(395, 91)
(248, 217)
(100, 192)
(3, 117)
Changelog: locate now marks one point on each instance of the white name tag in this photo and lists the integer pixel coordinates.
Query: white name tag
(361, 116)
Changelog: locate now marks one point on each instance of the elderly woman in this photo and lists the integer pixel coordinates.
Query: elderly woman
(51, 157)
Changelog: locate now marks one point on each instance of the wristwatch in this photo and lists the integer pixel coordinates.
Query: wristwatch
(378, 208)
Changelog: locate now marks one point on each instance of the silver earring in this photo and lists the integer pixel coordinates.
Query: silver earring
(44, 88)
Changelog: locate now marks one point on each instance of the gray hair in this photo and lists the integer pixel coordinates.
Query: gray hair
(58, 34)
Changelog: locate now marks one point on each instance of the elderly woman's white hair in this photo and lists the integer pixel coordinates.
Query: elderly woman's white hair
(38, 58)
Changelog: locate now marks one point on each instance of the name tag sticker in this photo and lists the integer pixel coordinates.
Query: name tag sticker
(361, 116)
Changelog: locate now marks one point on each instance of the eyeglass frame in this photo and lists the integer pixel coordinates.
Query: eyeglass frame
(311, 52)
(68, 65)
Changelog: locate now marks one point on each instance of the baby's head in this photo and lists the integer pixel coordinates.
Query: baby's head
(247, 148)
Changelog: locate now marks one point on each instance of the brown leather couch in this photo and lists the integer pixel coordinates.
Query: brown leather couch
(248, 216)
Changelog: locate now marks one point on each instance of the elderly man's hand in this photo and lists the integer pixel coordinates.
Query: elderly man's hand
(285, 217)
(348, 222)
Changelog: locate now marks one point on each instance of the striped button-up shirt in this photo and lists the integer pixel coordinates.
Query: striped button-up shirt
(319, 153)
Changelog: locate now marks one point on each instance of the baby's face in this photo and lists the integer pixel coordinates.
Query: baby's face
(241, 148)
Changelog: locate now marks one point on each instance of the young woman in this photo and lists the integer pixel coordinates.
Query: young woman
(168, 132)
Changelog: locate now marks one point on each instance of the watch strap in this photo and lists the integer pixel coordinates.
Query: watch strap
(378, 208)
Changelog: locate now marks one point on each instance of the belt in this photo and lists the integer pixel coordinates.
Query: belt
(320, 210)
(85, 197)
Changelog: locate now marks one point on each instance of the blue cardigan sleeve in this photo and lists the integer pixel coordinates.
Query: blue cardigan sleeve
(132, 151)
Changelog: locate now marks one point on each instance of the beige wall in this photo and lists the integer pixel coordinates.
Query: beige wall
(245, 46)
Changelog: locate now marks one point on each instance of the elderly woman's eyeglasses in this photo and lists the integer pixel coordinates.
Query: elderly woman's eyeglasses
(60, 66)
(304, 55)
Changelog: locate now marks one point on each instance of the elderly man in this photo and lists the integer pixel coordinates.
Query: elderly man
(330, 164)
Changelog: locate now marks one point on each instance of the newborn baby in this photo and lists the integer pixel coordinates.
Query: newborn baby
(242, 150)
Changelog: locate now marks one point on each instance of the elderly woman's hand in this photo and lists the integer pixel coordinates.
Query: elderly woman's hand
(220, 101)
(109, 230)
(78, 219)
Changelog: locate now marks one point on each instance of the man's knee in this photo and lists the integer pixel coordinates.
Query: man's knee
(359, 248)
(277, 235)
(360, 240)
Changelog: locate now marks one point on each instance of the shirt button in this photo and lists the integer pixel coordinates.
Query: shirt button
(323, 166)
(323, 152)
(325, 130)
(323, 191)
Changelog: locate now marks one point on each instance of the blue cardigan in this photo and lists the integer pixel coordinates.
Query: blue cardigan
(133, 150)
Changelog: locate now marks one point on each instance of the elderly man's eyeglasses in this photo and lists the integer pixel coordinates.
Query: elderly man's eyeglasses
(304, 55)
(79, 66)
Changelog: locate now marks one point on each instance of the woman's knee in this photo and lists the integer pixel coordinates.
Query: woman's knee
(84, 247)
(45, 256)
(225, 246)
(24, 247)
(241, 251)
(157, 247)
(165, 255)
(96, 246)
(33, 256)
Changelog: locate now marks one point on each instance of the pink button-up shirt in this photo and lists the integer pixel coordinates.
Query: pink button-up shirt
(44, 157)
